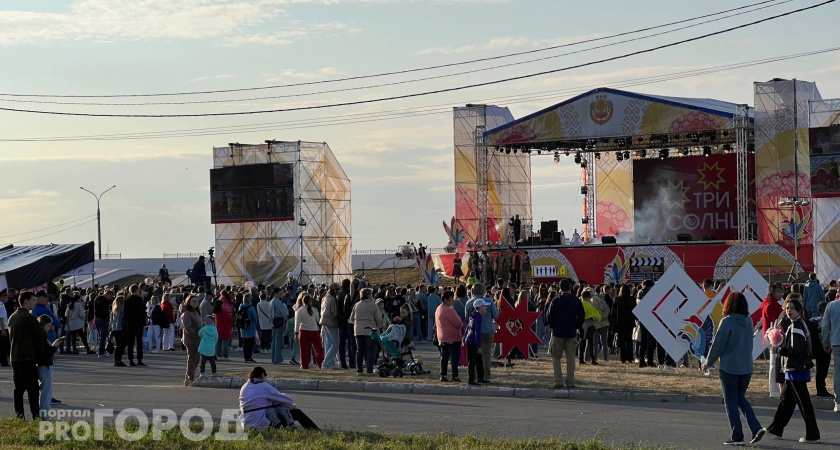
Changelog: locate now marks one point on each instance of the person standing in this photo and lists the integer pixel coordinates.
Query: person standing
(423, 308)
(771, 312)
(306, 332)
(224, 327)
(76, 324)
(625, 321)
(101, 317)
(831, 343)
(472, 340)
(265, 313)
(329, 327)
(46, 354)
(517, 229)
(795, 352)
(209, 336)
(564, 315)
(134, 320)
(366, 319)
(433, 301)
(191, 323)
(280, 315)
(247, 328)
(5, 344)
(168, 332)
(116, 320)
(157, 320)
(733, 345)
(342, 297)
(813, 295)
(488, 326)
(448, 326)
(25, 334)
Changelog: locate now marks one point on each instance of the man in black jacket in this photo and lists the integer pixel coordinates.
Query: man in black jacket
(102, 317)
(134, 319)
(26, 335)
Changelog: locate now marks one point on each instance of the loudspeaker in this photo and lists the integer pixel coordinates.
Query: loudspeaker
(555, 238)
(608, 239)
(684, 237)
(553, 224)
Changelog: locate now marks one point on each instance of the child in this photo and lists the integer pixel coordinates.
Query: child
(207, 347)
(45, 365)
(472, 340)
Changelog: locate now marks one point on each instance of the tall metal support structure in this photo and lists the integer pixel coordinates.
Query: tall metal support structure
(482, 168)
(590, 229)
(742, 125)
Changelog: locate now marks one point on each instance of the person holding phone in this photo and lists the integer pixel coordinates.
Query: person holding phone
(46, 355)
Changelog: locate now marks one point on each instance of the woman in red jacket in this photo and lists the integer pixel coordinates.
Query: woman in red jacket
(224, 324)
(168, 341)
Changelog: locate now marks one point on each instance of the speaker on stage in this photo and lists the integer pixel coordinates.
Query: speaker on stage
(684, 237)
(555, 238)
(608, 239)
(547, 232)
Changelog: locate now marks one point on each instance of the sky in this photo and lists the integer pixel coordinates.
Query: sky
(400, 162)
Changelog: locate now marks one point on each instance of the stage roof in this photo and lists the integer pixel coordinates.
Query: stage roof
(28, 266)
(611, 113)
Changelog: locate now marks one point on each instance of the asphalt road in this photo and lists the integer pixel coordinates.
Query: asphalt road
(85, 382)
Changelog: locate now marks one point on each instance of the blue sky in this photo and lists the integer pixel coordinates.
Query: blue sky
(401, 169)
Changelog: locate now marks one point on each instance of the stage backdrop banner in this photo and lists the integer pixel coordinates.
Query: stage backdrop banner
(694, 195)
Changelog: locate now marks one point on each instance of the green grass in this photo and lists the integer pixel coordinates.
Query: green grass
(17, 434)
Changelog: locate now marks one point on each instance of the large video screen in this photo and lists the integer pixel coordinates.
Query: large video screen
(694, 195)
(252, 193)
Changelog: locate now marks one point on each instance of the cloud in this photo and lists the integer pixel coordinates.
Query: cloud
(293, 74)
(210, 77)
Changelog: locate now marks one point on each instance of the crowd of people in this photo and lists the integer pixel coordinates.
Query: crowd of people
(330, 327)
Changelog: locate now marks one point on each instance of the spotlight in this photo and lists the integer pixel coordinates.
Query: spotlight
(694, 137)
(606, 153)
(514, 150)
(577, 158)
(681, 152)
(643, 153)
(556, 160)
(597, 156)
(566, 153)
(626, 154)
(584, 190)
(696, 148)
(619, 157)
(584, 220)
(727, 148)
(707, 151)
(751, 148)
(663, 154)
(539, 152)
(507, 151)
(653, 152)
(714, 147)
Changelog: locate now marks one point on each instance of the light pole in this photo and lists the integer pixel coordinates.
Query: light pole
(98, 216)
(302, 225)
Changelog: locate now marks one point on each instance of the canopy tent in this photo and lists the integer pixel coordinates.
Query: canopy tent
(612, 113)
(33, 265)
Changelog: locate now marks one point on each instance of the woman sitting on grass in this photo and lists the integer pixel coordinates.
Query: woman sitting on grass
(262, 405)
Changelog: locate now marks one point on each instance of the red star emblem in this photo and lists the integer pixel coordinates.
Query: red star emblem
(515, 328)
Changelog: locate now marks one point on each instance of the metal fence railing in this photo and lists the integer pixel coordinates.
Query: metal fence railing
(394, 251)
(111, 256)
(183, 255)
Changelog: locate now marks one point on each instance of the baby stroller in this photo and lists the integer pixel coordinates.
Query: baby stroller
(397, 360)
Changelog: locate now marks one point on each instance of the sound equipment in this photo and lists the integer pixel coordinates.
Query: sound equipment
(608, 239)
(684, 237)
(555, 238)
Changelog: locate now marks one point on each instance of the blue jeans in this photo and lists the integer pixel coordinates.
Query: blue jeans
(416, 331)
(346, 345)
(222, 348)
(102, 328)
(734, 388)
(45, 373)
(835, 352)
(277, 345)
(330, 337)
(450, 352)
(365, 353)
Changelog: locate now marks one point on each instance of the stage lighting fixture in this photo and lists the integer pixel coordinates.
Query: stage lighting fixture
(514, 150)
(577, 158)
(663, 154)
(652, 152)
(640, 140)
(556, 160)
(606, 153)
(751, 148)
(619, 157)
(619, 141)
(694, 137)
(556, 155)
(566, 153)
(727, 148)
(676, 136)
(626, 154)
(597, 156)
(584, 190)
(714, 147)
(539, 152)
(681, 152)
(507, 151)
(584, 220)
(707, 151)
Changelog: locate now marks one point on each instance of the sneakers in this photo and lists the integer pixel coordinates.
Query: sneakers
(473, 383)
(131, 363)
(119, 364)
(456, 380)
(140, 363)
(443, 379)
(802, 440)
(758, 435)
(735, 443)
(55, 401)
(484, 381)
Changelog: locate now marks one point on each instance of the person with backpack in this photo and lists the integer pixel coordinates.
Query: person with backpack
(246, 321)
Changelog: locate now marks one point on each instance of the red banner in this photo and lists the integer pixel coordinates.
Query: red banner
(694, 195)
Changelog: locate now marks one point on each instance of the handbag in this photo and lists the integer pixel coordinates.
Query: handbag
(111, 345)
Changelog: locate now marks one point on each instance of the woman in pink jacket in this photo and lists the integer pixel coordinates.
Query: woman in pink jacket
(449, 336)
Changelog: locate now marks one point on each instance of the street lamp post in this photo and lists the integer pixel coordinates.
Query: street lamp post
(98, 216)
(302, 225)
